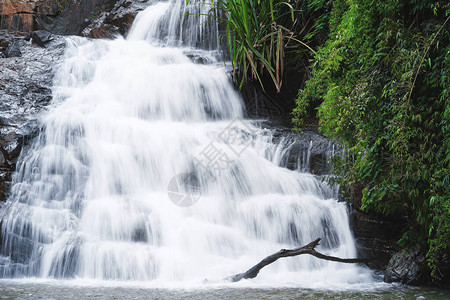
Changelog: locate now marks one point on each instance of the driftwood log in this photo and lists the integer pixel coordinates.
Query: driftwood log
(308, 249)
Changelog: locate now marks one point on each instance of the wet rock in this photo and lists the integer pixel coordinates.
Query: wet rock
(41, 37)
(69, 17)
(103, 31)
(13, 49)
(312, 153)
(308, 151)
(5, 40)
(46, 13)
(267, 102)
(123, 17)
(28, 15)
(197, 59)
(116, 21)
(405, 267)
(3, 187)
(3, 157)
(25, 92)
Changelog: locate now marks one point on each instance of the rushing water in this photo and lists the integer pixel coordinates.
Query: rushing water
(146, 171)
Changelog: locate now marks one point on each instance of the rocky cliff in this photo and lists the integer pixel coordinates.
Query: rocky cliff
(92, 18)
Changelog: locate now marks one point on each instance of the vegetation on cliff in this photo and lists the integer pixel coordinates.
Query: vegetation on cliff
(382, 79)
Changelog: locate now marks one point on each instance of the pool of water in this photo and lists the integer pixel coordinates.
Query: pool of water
(46, 289)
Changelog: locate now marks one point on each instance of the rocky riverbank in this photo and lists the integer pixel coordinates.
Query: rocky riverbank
(26, 73)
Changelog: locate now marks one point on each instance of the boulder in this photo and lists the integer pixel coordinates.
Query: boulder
(13, 49)
(41, 37)
(405, 267)
(197, 58)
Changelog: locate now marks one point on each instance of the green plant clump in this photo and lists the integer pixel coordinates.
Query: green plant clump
(258, 32)
(382, 79)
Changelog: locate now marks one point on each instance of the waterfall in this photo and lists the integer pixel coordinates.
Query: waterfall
(145, 170)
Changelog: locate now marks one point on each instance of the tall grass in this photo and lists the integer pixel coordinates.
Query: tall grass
(258, 33)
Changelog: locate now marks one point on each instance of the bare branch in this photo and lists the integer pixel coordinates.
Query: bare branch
(308, 249)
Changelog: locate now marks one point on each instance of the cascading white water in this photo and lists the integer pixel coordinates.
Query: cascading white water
(90, 198)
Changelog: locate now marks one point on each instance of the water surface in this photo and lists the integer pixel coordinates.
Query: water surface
(39, 289)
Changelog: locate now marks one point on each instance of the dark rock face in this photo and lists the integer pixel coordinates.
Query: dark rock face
(5, 41)
(268, 103)
(308, 151)
(376, 237)
(25, 91)
(116, 21)
(91, 18)
(17, 15)
(313, 153)
(260, 104)
(27, 15)
(69, 17)
(13, 49)
(405, 268)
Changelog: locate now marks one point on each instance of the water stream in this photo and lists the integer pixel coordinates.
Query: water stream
(146, 170)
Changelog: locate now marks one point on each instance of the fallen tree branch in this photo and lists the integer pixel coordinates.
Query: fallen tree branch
(308, 249)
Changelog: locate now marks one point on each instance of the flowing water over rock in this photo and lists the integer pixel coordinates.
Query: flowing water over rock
(144, 169)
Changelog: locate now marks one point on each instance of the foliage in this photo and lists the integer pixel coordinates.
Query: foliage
(383, 81)
(62, 5)
(258, 33)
